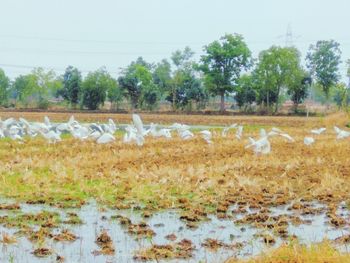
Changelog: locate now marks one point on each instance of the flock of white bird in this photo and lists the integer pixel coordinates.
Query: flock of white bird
(136, 132)
(101, 133)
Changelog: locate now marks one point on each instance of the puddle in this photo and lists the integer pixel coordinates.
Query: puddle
(163, 224)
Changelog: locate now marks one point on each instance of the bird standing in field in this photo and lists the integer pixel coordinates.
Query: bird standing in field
(105, 138)
(308, 141)
(206, 135)
(52, 136)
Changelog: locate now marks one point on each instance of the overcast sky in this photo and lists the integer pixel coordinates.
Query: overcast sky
(89, 34)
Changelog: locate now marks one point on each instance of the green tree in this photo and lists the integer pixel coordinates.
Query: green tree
(4, 87)
(24, 87)
(150, 96)
(137, 83)
(46, 84)
(323, 60)
(19, 86)
(140, 61)
(277, 68)
(189, 89)
(298, 88)
(182, 59)
(223, 63)
(39, 86)
(245, 93)
(131, 87)
(72, 85)
(340, 94)
(94, 88)
(162, 76)
(114, 94)
(195, 92)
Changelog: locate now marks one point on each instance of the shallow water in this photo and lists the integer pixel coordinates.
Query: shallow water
(162, 223)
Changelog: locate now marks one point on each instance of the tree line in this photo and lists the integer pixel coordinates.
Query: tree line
(225, 70)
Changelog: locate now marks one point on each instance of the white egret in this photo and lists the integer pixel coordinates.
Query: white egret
(206, 135)
(341, 134)
(261, 146)
(287, 136)
(185, 134)
(239, 132)
(182, 130)
(133, 135)
(263, 133)
(6, 123)
(112, 127)
(52, 136)
(96, 127)
(105, 138)
(226, 129)
(309, 140)
(63, 127)
(80, 132)
(159, 133)
(95, 134)
(179, 126)
(138, 124)
(47, 122)
(318, 131)
(14, 132)
(72, 120)
(276, 131)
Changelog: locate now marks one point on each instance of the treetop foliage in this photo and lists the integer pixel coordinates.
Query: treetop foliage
(225, 69)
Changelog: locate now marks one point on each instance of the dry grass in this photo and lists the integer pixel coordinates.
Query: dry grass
(8, 239)
(339, 118)
(295, 253)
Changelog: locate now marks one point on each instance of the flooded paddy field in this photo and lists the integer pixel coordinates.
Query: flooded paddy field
(41, 233)
(173, 200)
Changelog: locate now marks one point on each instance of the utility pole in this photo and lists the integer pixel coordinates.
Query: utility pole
(289, 36)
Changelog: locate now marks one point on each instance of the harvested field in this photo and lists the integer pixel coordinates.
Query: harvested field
(169, 119)
(229, 196)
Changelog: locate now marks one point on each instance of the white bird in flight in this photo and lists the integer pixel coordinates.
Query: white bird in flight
(262, 145)
(226, 129)
(318, 131)
(183, 130)
(341, 134)
(159, 133)
(239, 132)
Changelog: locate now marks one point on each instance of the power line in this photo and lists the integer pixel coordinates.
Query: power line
(86, 52)
(36, 50)
(97, 40)
(289, 33)
(43, 67)
(343, 67)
